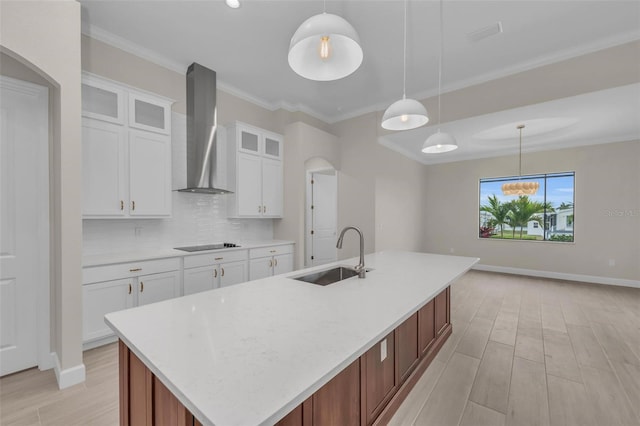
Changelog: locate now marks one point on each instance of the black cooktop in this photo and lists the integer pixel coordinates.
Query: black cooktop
(204, 247)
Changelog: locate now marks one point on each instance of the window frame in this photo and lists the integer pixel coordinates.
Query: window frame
(545, 214)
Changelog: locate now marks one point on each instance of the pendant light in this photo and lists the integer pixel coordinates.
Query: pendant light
(406, 113)
(439, 142)
(519, 187)
(325, 47)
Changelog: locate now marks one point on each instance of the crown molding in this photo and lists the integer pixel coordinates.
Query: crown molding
(152, 56)
(121, 43)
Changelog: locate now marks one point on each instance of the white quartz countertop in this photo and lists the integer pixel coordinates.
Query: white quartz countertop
(250, 353)
(162, 253)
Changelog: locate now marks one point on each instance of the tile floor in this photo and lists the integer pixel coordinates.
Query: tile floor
(524, 351)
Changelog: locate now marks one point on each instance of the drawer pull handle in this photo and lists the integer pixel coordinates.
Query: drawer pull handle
(272, 251)
(222, 272)
(129, 288)
(215, 273)
(141, 286)
(121, 205)
(135, 270)
(218, 258)
(133, 205)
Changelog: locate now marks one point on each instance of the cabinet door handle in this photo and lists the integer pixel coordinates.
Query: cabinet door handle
(121, 205)
(264, 209)
(271, 264)
(141, 287)
(275, 262)
(222, 272)
(215, 273)
(129, 288)
(135, 270)
(133, 205)
(259, 209)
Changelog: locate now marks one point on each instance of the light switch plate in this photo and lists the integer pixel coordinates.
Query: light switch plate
(383, 350)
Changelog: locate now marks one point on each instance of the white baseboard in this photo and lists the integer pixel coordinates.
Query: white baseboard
(99, 342)
(559, 275)
(70, 376)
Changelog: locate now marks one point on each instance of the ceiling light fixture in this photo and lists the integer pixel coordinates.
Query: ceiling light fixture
(406, 113)
(439, 142)
(519, 187)
(233, 4)
(325, 47)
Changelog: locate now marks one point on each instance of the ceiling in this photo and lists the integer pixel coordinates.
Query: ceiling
(248, 49)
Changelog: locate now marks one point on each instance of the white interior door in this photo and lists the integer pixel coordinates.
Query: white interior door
(24, 220)
(324, 218)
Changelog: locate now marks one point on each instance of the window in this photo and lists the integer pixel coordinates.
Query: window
(546, 215)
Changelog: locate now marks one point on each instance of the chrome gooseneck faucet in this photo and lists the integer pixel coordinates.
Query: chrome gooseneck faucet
(360, 267)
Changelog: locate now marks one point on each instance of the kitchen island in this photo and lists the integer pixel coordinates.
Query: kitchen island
(261, 351)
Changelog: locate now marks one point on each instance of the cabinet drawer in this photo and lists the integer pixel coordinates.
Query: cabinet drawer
(95, 274)
(198, 260)
(270, 251)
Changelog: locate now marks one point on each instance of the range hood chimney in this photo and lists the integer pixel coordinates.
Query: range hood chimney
(202, 124)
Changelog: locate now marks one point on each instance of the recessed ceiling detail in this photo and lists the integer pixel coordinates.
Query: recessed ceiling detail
(538, 126)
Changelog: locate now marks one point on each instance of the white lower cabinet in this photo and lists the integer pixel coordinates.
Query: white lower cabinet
(208, 271)
(100, 299)
(111, 288)
(158, 287)
(268, 261)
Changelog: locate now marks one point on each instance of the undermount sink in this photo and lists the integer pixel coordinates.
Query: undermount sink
(329, 276)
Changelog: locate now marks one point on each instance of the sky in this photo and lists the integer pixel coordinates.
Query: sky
(559, 189)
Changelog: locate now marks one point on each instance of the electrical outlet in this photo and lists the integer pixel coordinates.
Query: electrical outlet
(383, 350)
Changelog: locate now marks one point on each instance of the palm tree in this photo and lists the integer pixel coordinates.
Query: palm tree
(499, 211)
(523, 210)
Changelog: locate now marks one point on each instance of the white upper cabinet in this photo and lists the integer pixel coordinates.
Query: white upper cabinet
(126, 150)
(149, 113)
(102, 100)
(104, 164)
(255, 172)
(149, 174)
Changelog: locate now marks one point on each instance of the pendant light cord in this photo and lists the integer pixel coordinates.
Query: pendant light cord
(521, 126)
(440, 63)
(404, 60)
(324, 6)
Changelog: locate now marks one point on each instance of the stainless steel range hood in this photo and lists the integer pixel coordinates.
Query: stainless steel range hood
(202, 123)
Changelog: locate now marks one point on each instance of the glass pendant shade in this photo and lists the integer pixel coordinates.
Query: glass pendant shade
(438, 143)
(324, 48)
(405, 114)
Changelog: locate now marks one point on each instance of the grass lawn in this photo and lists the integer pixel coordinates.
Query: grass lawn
(508, 235)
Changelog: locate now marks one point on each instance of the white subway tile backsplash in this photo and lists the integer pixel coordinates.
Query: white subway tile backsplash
(197, 218)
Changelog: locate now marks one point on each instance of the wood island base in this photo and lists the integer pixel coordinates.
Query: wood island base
(367, 392)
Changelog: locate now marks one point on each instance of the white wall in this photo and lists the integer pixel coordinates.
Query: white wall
(44, 35)
(379, 190)
(301, 143)
(607, 180)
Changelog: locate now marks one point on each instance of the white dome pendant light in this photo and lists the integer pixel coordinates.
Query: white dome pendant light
(405, 114)
(439, 142)
(325, 47)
